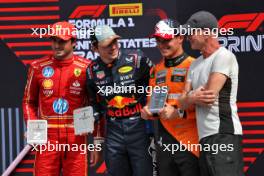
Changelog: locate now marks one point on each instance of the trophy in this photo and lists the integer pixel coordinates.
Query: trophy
(83, 120)
(37, 131)
(157, 100)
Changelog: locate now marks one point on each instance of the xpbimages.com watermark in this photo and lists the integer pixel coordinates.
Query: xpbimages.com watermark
(187, 30)
(86, 32)
(212, 148)
(130, 89)
(59, 30)
(82, 148)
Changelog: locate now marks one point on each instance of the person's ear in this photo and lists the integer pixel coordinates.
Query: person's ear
(180, 39)
(73, 41)
(74, 45)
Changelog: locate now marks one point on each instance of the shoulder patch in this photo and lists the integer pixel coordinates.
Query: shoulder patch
(83, 60)
(80, 64)
(39, 62)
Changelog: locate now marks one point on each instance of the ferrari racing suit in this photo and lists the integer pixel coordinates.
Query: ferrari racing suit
(54, 89)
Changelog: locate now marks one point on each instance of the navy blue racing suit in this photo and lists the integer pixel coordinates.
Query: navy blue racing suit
(118, 92)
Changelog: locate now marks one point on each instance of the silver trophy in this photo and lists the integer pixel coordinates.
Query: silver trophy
(157, 100)
(83, 120)
(37, 131)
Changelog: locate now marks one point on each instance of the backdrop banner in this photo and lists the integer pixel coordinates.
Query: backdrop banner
(134, 21)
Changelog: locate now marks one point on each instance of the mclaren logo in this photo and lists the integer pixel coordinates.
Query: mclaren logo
(134, 9)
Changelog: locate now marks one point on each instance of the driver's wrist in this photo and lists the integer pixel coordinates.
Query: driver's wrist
(178, 112)
(191, 97)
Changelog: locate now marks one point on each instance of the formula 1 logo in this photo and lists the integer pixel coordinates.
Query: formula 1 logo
(250, 21)
(90, 10)
(60, 106)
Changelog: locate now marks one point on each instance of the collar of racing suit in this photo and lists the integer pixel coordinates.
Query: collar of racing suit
(62, 63)
(107, 65)
(176, 60)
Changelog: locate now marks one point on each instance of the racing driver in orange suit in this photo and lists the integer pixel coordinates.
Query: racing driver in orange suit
(173, 127)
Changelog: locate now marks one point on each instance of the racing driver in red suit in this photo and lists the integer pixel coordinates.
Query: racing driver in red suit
(55, 87)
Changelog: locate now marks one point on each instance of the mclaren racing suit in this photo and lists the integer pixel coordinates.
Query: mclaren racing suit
(177, 131)
(126, 139)
(54, 89)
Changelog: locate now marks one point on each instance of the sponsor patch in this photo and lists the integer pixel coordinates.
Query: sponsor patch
(60, 106)
(48, 92)
(179, 71)
(129, 59)
(161, 73)
(126, 77)
(47, 72)
(175, 78)
(77, 72)
(47, 84)
(100, 74)
(161, 77)
(132, 9)
(125, 69)
(76, 84)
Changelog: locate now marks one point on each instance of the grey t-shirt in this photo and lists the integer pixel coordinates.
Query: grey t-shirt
(222, 116)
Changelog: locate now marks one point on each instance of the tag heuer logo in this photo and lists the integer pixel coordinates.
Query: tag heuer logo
(77, 72)
(100, 74)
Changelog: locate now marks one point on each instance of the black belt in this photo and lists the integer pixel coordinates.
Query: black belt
(123, 118)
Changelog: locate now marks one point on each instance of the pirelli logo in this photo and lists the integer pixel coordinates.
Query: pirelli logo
(133, 9)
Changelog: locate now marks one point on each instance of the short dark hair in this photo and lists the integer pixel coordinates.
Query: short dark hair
(73, 40)
(93, 39)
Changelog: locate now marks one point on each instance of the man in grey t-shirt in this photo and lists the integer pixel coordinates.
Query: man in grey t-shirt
(212, 88)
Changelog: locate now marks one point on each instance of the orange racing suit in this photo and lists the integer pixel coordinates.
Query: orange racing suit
(163, 74)
(173, 133)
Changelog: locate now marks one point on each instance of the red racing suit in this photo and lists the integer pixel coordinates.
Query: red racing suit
(54, 89)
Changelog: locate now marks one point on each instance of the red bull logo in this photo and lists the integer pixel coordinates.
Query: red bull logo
(120, 102)
(125, 112)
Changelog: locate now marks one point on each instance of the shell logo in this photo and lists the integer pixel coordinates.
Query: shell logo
(47, 84)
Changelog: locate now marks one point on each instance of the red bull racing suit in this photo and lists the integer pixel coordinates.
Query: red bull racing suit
(54, 89)
(116, 95)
